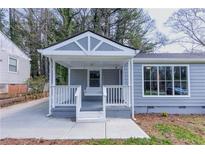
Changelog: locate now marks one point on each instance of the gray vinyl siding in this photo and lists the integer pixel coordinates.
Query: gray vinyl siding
(125, 75)
(110, 77)
(197, 89)
(71, 46)
(93, 42)
(79, 77)
(84, 42)
(107, 47)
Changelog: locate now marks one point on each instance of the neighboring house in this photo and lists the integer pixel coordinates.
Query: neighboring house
(108, 79)
(14, 67)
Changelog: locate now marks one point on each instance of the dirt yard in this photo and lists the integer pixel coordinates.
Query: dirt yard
(178, 129)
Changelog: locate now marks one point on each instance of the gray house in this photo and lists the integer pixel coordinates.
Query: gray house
(108, 79)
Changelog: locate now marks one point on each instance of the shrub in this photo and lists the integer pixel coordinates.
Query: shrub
(36, 84)
(164, 114)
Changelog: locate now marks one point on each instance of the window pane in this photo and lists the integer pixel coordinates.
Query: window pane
(162, 88)
(177, 73)
(94, 78)
(153, 88)
(147, 88)
(162, 73)
(94, 74)
(12, 61)
(168, 73)
(183, 73)
(154, 73)
(169, 89)
(12, 68)
(177, 89)
(147, 72)
(184, 87)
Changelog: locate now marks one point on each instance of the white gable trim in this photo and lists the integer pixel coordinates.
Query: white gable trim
(101, 42)
(53, 50)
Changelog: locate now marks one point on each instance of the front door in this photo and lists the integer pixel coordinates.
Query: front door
(94, 78)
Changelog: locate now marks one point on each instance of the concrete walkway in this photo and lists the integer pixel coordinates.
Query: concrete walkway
(29, 120)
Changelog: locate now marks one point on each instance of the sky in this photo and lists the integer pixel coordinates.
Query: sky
(161, 16)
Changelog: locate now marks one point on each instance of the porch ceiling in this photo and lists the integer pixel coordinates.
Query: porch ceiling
(87, 61)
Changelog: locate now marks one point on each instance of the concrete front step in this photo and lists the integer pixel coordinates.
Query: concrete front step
(64, 112)
(90, 116)
(91, 109)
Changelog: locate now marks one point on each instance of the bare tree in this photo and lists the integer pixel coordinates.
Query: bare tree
(190, 24)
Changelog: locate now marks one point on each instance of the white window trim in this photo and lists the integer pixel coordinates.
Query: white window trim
(170, 96)
(88, 76)
(16, 64)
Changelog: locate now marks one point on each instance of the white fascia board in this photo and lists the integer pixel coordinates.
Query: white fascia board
(90, 58)
(168, 60)
(81, 53)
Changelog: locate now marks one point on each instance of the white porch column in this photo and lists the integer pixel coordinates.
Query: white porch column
(53, 81)
(120, 76)
(50, 86)
(129, 81)
(69, 76)
(131, 86)
(132, 89)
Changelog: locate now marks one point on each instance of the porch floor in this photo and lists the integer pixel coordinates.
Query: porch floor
(29, 120)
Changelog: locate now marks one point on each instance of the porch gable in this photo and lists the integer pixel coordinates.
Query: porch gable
(88, 43)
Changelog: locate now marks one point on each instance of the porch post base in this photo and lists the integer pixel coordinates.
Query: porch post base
(49, 115)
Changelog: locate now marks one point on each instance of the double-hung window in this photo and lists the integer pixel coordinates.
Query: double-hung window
(12, 64)
(162, 80)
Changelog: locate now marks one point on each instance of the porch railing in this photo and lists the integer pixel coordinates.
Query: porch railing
(63, 95)
(78, 100)
(117, 95)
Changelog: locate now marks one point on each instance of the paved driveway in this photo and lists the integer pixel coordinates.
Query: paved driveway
(29, 120)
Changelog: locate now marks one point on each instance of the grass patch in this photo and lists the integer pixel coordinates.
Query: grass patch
(104, 142)
(144, 141)
(180, 133)
(131, 141)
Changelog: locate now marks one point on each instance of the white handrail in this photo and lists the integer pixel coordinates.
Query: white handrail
(104, 100)
(78, 101)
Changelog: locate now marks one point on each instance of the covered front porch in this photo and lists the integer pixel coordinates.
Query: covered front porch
(99, 77)
(93, 87)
